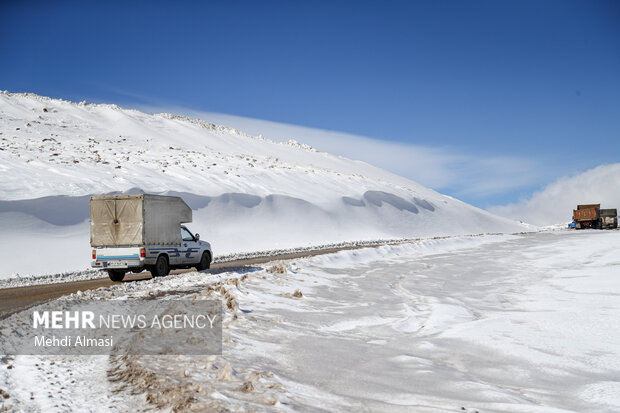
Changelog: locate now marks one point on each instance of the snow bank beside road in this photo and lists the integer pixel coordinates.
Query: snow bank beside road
(373, 249)
(71, 276)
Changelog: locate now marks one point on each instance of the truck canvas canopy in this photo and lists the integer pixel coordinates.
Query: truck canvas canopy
(143, 219)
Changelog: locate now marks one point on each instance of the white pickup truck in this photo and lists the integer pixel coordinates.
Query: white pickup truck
(138, 232)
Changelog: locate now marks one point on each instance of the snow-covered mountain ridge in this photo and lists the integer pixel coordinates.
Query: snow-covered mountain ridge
(89, 148)
(248, 193)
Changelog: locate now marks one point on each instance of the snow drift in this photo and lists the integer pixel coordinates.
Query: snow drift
(248, 193)
(555, 203)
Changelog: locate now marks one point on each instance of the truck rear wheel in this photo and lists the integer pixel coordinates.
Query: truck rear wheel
(205, 261)
(116, 276)
(161, 267)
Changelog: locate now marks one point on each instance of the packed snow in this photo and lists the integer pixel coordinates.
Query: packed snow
(248, 193)
(503, 323)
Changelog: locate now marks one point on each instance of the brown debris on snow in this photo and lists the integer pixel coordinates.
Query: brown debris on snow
(225, 373)
(277, 269)
(247, 387)
(184, 383)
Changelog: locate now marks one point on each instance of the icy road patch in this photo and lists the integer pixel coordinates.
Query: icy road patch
(522, 323)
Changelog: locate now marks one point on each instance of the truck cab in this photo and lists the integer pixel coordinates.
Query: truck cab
(191, 252)
(609, 218)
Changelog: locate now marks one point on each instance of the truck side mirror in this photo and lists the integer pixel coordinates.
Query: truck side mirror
(197, 236)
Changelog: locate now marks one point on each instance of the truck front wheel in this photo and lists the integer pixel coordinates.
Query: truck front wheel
(161, 267)
(205, 261)
(116, 276)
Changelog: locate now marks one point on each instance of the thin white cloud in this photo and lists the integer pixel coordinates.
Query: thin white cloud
(555, 203)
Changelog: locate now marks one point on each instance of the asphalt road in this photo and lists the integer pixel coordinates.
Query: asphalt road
(17, 299)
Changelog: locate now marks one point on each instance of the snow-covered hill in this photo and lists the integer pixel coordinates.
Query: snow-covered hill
(249, 193)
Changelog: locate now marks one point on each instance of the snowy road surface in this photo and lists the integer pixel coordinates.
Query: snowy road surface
(514, 323)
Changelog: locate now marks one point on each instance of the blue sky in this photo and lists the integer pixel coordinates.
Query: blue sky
(522, 92)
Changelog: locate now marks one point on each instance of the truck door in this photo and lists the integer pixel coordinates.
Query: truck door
(189, 247)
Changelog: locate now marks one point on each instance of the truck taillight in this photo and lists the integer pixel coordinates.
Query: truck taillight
(94, 255)
(142, 253)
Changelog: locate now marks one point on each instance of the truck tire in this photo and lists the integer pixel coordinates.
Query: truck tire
(161, 267)
(116, 276)
(205, 261)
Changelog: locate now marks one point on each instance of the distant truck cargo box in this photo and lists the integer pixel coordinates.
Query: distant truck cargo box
(588, 214)
(143, 219)
(589, 206)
